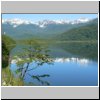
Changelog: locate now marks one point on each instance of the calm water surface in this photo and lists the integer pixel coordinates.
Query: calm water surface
(74, 65)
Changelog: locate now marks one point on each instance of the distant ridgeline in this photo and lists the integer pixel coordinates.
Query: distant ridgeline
(7, 44)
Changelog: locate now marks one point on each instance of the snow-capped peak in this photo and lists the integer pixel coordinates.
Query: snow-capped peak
(83, 19)
(16, 22)
(80, 20)
(45, 22)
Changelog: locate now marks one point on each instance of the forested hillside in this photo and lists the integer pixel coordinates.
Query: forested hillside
(88, 32)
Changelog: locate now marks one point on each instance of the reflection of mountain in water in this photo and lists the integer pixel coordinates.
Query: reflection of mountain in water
(64, 60)
(68, 50)
(75, 60)
(77, 50)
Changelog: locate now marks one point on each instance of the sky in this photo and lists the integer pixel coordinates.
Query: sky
(37, 17)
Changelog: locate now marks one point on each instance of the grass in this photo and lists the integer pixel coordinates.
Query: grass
(9, 80)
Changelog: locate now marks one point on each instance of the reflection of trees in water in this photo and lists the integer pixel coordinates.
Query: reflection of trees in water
(83, 49)
(33, 53)
(38, 78)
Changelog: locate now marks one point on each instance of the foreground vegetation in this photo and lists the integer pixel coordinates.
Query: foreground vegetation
(7, 45)
(7, 77)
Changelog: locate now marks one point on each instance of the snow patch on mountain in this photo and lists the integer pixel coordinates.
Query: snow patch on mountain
(16, 22)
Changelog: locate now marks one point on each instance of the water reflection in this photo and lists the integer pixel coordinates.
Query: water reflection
(39, 78)
(64, 60)
(76, 60)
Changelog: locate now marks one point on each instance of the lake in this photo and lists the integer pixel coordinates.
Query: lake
(75, 64)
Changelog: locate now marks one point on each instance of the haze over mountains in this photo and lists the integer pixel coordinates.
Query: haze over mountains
(61, 29)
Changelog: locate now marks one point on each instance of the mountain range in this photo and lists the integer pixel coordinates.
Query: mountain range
(61, 29)
(43, 23)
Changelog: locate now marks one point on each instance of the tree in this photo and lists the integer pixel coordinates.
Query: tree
(36, 54)
(7, 45)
